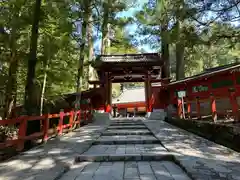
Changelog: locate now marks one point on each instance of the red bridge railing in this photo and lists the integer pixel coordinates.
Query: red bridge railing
(44, 134)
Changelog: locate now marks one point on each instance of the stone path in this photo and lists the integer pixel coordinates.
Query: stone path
(51, 160)
(116, 149)
(203, 159)
(124, 152)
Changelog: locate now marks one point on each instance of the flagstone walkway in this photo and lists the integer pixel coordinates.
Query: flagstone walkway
(124, 149)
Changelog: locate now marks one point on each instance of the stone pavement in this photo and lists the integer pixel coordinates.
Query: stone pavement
(130, 153)
(203, 159)
(116, 149)
(51, 160)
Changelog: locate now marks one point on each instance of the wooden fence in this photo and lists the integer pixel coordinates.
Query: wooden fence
(45, 132)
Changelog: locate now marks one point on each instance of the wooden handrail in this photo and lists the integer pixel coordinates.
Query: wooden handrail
(22, 126)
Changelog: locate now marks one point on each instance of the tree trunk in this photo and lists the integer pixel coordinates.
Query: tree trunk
(11, 88)
(90, 50)
(82, 50)
(108, 46)
(165, 50)
(105, 26)
(30, 99)
(180, 73)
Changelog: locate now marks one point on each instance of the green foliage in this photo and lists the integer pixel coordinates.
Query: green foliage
(204, 40)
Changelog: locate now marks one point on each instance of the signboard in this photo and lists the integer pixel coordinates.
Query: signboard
(181, 94)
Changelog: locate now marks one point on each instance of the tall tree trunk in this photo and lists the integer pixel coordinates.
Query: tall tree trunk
(11, 88)
(82, 50)
(90, 50)
(30, 99)
(108, 44)
(165, 49)
(105, 26)
(180, 73)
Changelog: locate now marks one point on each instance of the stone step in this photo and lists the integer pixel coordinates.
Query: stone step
(128, 157)
(127, 133)
(128, 127)
(130, 141)
(125, 149)
(123, 170)
(126, 124)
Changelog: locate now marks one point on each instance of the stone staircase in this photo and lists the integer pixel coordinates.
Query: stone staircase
(127, 149)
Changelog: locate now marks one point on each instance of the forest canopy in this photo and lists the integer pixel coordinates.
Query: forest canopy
(47, 47)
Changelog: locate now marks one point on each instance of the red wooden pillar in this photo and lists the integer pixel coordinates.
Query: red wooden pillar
(189, 109)
(71, 116)
(108, 90)
(198, 107)
(148, 92)
(60, 123)
(79, 118)
(234, 105)
(109, 95)
(213, 108)
(179, 108)
(21, 134)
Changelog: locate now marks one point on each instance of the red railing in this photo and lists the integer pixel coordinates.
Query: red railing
(44, 134)
(214, 109)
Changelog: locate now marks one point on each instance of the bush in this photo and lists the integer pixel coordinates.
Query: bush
(8, 133)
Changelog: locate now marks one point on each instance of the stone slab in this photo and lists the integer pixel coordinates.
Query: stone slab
(149, 170)
(165, 156)
(126, 132)
(201, 158)
(127, 127)
(126, 137)
(126, 124)
(128, 141)
(126, 149)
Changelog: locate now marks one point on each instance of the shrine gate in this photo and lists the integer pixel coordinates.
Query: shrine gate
(147, 68)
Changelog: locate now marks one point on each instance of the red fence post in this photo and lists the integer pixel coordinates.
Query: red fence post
(21, 134)
(60, 123)
(213, 108)
(79, 118)
(179, 108)
(189, 109)
(45, 128)
(71, 118)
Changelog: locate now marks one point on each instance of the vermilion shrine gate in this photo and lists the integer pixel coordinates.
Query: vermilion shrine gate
(147, 68)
